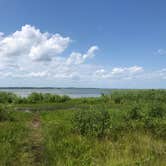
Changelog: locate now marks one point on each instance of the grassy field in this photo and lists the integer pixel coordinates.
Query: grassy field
(126, 128)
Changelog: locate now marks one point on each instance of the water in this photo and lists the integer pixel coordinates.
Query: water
(72, 92)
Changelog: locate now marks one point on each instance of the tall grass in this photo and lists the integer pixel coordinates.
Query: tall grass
(65, 147)
(14, 143)
(125, 128)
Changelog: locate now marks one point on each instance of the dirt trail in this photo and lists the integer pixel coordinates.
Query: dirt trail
(36, 139)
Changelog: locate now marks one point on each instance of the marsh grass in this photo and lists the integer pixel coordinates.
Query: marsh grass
(126, 128)
(63, 147)
(14, 143)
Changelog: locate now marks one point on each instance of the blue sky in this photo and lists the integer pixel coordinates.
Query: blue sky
(100, 43)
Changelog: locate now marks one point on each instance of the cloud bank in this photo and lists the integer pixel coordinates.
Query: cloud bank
(29, 53)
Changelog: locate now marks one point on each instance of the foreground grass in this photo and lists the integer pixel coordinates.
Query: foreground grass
(63, 147)
(127, 128)
(47, 138)
(15, 147)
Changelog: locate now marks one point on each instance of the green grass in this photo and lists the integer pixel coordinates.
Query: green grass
(14, 143)
(64, 147)
(126, 128)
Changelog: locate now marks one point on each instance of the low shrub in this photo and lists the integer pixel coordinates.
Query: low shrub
(135, 113)
(7, 97)
(92, 122)
(46, 98)
(4, 114)
(157, 127)
(156, 111)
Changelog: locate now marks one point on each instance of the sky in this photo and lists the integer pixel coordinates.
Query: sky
(83, 43)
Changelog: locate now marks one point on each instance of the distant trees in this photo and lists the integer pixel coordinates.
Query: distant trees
(33, 98)
(6, 97)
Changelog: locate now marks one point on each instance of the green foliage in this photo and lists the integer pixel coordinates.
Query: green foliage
(138, 96)
(5, 114)
(156, 111)
(33, 98)
(92, 122)
(127, 127)
(134, 114)
(6, 97)
(63, 147)
(46, 98)
(156, 126)
(14, 142)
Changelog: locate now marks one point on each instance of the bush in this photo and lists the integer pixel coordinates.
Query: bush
(156, 126)
(21, 100)
(46, 98)
(118, 100)
(64, 98)
(4, 115)
(35, 97)
(156, 111)
(6, 97)
(92, 123)
(134, 114)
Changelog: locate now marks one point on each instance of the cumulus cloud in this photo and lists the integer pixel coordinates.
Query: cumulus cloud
(78, 58)
(120, 72)
(33, 44)
(1, 35)
(32, 54)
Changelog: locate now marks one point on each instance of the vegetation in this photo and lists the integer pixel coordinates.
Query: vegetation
(127, 127)
(10, 98)
(92, 123)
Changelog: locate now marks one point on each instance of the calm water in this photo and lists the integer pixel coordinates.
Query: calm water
(72, 92)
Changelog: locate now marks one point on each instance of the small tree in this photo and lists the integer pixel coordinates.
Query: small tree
(35, 97)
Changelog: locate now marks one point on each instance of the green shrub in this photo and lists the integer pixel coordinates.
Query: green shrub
(156, 111)
(35, 97)
(92, 122)
(4, 114)
(156, 126)
(134, 114)
(6, 97)
(46, 98)
(118, 100)
(64, 98)
(21, 100)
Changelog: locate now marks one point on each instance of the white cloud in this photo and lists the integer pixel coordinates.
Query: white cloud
(120, 72)
(1, 35)
(127, 70)
(33, 55)
(5, 74)
(160, 74)
(78, 58)
(38, 74)
(33, 44)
